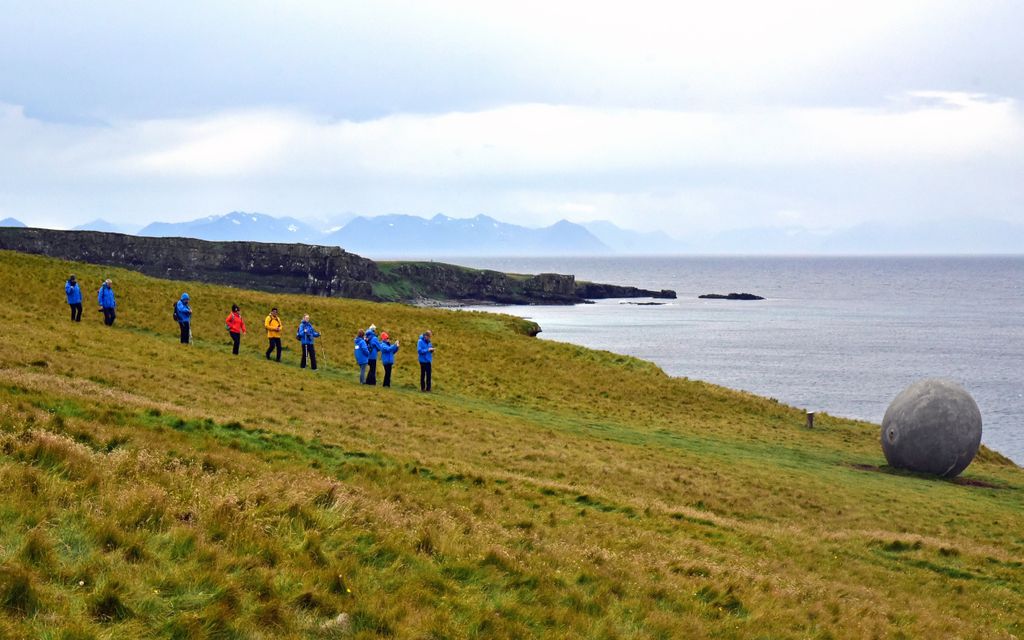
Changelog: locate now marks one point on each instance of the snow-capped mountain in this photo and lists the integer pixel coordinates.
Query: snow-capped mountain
(412, 236)
(99, 224)
(237, 225)
(634, 242)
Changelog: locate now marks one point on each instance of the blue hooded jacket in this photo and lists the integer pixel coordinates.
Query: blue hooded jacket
(387, 352)
(362, 352)
(73, 292)
(372, 343)
(184, 311)
(306, 332)
(105, 297)
(423, 349)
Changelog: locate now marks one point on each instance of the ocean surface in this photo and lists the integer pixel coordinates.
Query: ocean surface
(841, 335)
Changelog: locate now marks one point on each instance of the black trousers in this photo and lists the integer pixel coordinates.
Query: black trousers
(425, 376)
(236, 338)
(371, 377)
(387, 374)
(108, 316)
(308, 349)
(76, 312)
(274, 343)
(186, 329)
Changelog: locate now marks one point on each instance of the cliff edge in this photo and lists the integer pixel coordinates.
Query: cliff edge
(311, 269)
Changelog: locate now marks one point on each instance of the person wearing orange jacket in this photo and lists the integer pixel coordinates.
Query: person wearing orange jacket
(236, 327)
(274, 327)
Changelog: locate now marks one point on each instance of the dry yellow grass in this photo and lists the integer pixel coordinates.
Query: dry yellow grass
(544, 490)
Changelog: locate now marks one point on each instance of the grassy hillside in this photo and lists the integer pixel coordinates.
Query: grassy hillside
(148, 489)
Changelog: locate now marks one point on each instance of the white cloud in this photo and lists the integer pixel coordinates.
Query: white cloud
(360, 60)
(540, 161)
(688, 114)
(544, 140)
(231, 145)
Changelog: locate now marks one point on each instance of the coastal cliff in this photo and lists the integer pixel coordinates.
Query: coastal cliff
(310, 269)
(439, 281)
(292, 268)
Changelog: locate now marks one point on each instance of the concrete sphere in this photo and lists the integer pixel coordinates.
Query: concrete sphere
(932, 426)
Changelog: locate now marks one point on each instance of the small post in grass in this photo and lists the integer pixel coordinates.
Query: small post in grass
(810, 419)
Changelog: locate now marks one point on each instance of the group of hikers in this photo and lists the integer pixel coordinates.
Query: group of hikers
(368, 347)
(104, 297)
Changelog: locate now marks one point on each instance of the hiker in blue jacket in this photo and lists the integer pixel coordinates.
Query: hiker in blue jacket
(105, 298)
(425, 350)
(373, 343)
(183, 314)
(387, 356)
(362, 353)
(306, 334)
(74, 296)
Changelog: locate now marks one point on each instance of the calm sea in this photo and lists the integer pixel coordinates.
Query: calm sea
(842, 335)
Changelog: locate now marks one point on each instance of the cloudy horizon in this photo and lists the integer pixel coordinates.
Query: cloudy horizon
(687, 119)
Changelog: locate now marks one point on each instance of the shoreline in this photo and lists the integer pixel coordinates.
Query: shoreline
(1015, 456)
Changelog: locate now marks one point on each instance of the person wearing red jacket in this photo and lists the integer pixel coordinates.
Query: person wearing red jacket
(236, 327)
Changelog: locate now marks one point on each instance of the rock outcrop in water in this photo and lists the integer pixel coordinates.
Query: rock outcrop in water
(594, 290)
(731, 296)
(311, 269)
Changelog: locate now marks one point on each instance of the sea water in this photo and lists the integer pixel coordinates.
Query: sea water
(840, 335)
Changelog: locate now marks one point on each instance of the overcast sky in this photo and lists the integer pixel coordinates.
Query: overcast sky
(680, 116)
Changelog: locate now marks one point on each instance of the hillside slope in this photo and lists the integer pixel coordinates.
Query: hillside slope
(150, 489)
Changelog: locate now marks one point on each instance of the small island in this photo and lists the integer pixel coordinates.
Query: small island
(730, 296)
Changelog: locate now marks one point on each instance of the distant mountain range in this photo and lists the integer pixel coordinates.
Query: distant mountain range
(401, 235)
(941, 236)
(237, 225)
(409, 236)
(406, 236)
(963, 235)
(99, 224)
(634, 242)
(396, 235)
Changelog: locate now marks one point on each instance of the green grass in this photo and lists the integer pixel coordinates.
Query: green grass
(394, 285)
(149, 489)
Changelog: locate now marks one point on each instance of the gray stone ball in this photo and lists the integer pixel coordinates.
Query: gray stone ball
(933, 426)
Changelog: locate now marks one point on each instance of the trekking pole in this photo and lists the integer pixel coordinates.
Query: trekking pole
(323, 352)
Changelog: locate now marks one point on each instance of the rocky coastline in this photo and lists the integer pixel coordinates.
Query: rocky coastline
(310, 269)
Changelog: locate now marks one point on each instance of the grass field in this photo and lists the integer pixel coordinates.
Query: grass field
(150, 489)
